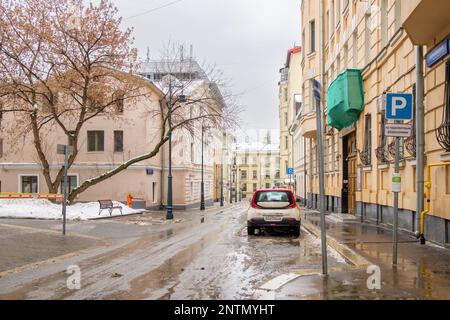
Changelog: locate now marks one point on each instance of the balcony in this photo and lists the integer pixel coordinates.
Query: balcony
(308, 125)
(426, 19)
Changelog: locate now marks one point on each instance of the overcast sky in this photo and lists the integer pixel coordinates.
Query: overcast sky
(247, 39)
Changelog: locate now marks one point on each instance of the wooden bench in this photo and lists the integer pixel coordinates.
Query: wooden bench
(108, 205)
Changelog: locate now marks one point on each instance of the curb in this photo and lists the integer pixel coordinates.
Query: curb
(350, 255)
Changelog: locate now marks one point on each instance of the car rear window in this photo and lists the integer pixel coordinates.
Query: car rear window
(274, 196)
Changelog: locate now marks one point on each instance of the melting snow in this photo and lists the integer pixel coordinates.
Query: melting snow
(44, 209)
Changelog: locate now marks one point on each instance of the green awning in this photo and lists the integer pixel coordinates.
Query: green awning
(345, 99)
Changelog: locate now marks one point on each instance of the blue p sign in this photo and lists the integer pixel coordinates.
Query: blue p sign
(399, 106)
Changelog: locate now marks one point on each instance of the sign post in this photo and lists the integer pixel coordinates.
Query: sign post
(321, 167)
(66, 151)
(399, 107)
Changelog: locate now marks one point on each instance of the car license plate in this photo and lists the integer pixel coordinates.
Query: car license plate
(273, 218)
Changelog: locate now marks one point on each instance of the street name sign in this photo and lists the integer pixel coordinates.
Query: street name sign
(399, 106)
(61, 149)
(398, 130)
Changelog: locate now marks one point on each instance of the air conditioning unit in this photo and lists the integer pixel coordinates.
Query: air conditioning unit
(381, 103)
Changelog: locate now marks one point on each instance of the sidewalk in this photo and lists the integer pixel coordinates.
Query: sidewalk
(423, 272)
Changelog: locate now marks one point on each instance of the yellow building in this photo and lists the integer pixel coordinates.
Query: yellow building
(376, 41)
(258, 169)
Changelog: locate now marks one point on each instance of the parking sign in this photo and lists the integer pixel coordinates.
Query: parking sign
(290, 171)
(399, 106)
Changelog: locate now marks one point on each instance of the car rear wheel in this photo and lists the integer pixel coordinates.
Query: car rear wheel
(250, 231)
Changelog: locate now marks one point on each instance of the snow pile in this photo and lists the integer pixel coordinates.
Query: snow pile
(44, 209)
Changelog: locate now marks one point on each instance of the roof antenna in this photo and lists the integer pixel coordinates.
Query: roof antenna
(148, 54)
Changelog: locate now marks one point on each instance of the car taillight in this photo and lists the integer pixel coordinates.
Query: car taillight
(292, 206)
(255, 206)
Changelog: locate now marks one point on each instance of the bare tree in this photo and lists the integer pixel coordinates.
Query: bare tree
(64, 63)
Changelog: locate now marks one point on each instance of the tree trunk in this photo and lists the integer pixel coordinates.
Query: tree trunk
(92, 182)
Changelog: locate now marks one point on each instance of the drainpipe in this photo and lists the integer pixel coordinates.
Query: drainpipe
(310, 173)
(420, 140)
(305, 150)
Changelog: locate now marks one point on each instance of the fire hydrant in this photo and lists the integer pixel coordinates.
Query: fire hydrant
(130, 201)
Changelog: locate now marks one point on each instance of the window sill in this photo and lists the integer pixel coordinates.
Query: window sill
(383, 166)
(367, 168)
(445, 156)
(95, 152)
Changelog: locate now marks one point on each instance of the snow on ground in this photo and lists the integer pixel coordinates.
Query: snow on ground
(44, 209)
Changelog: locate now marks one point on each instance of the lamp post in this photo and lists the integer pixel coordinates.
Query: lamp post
(202, 188)
(169, 215)
(221, 174)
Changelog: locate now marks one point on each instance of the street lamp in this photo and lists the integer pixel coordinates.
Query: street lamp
(169, 214)
(221, 173)
(202, 195)
(181, 98)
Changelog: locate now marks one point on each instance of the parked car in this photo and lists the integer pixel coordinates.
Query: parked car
(273, 208)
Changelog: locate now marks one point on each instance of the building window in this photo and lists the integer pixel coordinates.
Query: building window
(355, 49)
(255, 174)
(338, 65)
(398, 14)
(286, 142)
(304, 43)
(267, 176)
(366, 155)
(154, 192)
(29, 184)
(382, 150)
(192, 152)
(118, 98)
(328, 25)
(244, 174)
(72, 183)
(285, 118)
(346, 56)
(333, 15)
(338, 12)
(384, 22)
(71, 138)
(255, 187)
(312, 36)
(1, 148)
(367, 40)
(443, 131)
(267, 185)
(118, 141)
(96, 141)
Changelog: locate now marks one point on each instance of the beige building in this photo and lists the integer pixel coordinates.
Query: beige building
(289, 103)
(257, 168)
(107, 142)
(376, 41)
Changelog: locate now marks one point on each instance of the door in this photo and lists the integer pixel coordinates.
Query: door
(349, 174)
(352, 184)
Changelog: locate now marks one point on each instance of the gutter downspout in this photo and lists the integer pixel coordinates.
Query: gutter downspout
(420, 142)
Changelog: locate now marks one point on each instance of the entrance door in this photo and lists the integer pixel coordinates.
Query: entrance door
(349, 174)
(352, 184)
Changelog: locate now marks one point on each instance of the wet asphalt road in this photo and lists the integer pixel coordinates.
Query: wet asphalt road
(184, 260)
